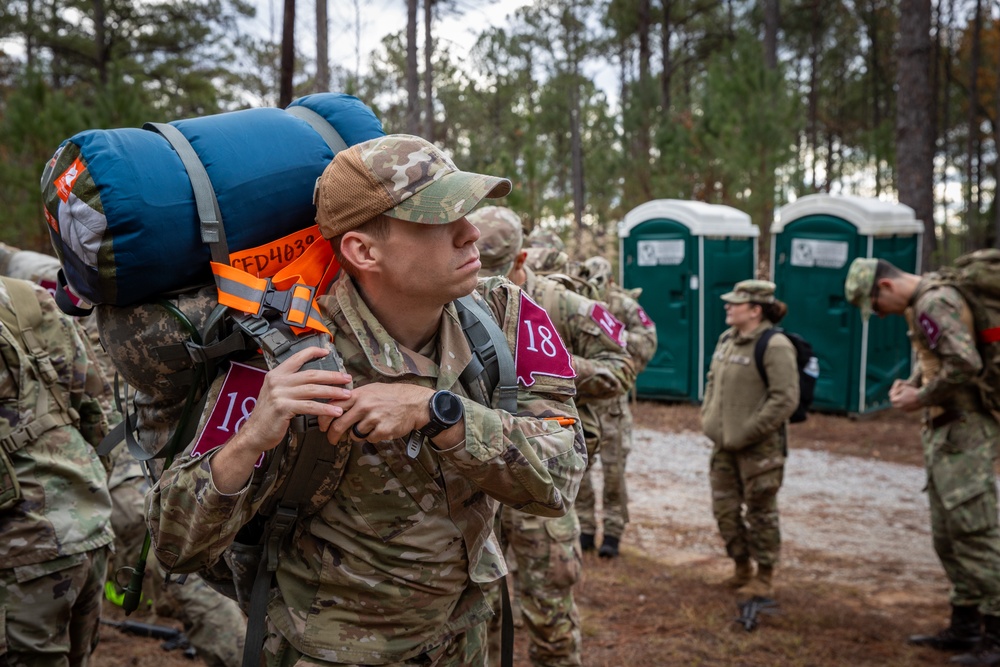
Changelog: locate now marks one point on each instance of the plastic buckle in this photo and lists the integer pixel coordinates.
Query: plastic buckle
(306, 306)
(276, 299)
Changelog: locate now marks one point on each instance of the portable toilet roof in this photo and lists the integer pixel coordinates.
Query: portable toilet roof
(701, 218)
(872, 217)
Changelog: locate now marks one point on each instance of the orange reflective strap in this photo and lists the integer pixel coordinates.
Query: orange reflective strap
(238, 289)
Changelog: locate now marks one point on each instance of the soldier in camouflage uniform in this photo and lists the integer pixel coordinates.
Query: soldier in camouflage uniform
(55, 509)
(547, 550)
(746, 420)
(213, 623)
(391, 569)
(959, 439)
(614, 414)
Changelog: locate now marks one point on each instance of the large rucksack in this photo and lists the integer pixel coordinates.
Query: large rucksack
(42, 402)
(977, 278)
(806, 362)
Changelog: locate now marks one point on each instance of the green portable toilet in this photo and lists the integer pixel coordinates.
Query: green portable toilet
(684, 255)
(813, 242)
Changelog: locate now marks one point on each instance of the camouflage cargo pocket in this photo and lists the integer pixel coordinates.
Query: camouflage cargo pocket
(976, 515)
(10, 490)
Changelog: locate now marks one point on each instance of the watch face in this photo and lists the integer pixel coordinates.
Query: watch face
(448, 407)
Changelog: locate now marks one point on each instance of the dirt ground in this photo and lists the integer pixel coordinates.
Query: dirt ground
(858, 573)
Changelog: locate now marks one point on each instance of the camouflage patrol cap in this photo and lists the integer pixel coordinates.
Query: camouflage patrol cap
(547, 260)
(402, 176)
(544, 238)
(859, 284)
(597, 270)
(751, 291)
(500, 239)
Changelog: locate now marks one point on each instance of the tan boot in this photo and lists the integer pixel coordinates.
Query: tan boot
(742, 574)
(761, 586)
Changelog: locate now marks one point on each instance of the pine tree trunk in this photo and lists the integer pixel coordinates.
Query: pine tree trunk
(412, 77)
(322, 48)
(428, 71)
(914, 128)
(287, 55)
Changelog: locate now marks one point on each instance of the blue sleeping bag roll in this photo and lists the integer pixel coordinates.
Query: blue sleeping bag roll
(120, 203)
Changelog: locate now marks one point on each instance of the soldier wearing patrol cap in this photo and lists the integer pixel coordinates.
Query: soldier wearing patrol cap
(746, 420)
(959, 438)
(391, 569)
(614, 414)
(547, 550)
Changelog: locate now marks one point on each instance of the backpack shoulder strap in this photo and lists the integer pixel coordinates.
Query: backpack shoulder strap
(760, 348)
(23, 322)
(491, 358)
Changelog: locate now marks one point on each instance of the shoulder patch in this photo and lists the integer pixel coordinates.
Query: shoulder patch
(539, 350)
(643, 317)
(237, 399)
(931, 329)
(609, 323)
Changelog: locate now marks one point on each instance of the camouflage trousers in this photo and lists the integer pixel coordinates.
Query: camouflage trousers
(50, 612)
(547, 551)
(212, 622)
(616, 443)
(468, 649)
(745, 500)
(961, 490)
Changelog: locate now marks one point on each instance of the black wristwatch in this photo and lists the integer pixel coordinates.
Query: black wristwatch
(446, 411)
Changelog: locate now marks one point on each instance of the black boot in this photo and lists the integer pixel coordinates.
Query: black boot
(987, 651)
(609, 548)
(962, 635)
(586, 541)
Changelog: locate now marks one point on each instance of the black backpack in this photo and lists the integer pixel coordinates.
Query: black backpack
(806, 361)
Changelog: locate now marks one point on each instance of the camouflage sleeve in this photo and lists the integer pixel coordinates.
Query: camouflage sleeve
(74, 364)
(782, 389)
(641, 341)
(190, 521)
(938, 315)
(532, 460)
(604, 369)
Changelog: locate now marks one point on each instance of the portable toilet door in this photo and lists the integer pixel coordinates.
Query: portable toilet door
(813, 242)
(665, 247)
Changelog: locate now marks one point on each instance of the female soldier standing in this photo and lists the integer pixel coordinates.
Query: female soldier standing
(745, 417)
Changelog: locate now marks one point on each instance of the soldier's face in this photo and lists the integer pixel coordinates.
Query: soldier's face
(431, 263)
(738, 314)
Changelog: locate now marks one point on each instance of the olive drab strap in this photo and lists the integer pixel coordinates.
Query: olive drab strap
(52, 408)
(491, 357)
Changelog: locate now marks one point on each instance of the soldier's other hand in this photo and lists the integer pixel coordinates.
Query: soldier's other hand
(378, 411)
(904, 396)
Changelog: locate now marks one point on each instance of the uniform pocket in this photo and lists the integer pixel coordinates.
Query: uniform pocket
(565, 562)
(977, 515)
(10, 490)
(392, 492)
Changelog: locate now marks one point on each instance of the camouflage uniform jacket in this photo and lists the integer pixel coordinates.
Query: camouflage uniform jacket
(739, 410)
(603, 366)
(391, 565)
(641, 339)
(959, 453)
(66, 507)
(941, 335)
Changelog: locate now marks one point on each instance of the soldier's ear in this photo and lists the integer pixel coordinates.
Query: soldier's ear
(522, 256)
(359, 249)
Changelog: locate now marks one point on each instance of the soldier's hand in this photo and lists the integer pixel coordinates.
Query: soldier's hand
(904, 396)
(286, 393)
(378, 411)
